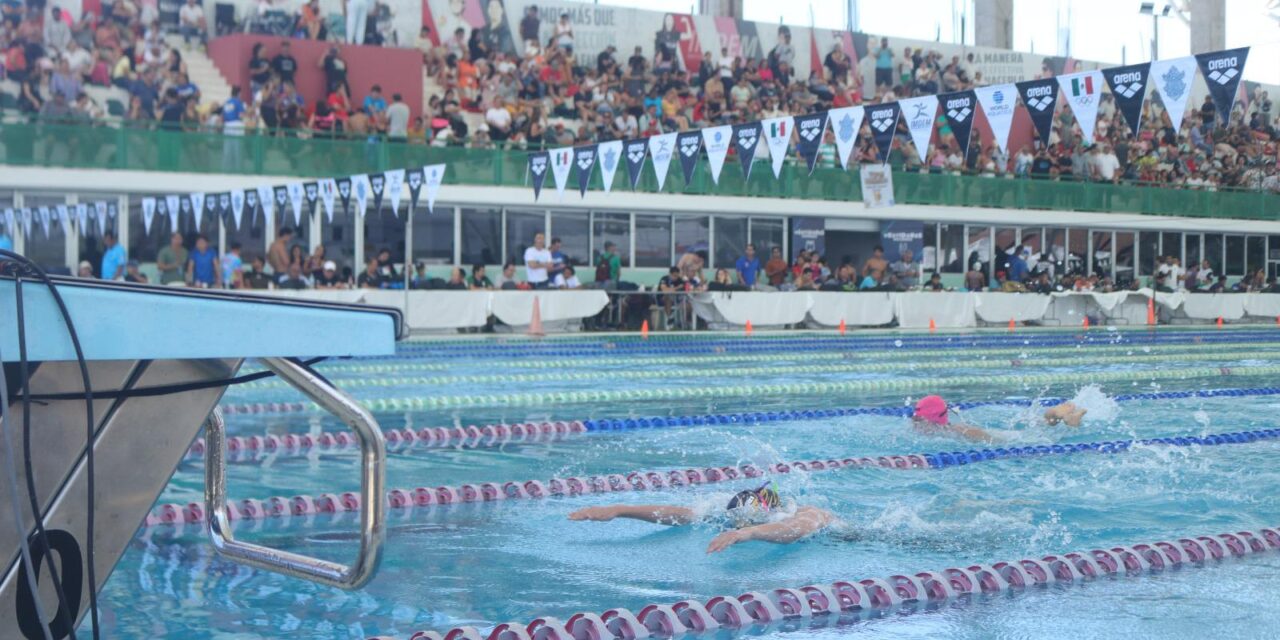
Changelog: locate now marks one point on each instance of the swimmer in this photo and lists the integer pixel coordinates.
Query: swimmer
(930, 416)
(754, 514)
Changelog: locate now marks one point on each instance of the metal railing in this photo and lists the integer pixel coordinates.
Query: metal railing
(288, 154)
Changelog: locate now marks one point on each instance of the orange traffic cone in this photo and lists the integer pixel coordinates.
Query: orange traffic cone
(644, 329)
(1219, 322)
(1151, 312)
(933, 326)
(1278, 320)
(1086, 323)
(841, 326)
(535, 322)
(1012, 324)
(748, 329)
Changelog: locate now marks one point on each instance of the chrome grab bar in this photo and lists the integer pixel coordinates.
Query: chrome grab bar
(373, 454)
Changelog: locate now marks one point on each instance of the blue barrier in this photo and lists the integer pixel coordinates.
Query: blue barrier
(944, 459)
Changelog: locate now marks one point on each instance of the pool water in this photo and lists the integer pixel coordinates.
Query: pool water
(486, 563)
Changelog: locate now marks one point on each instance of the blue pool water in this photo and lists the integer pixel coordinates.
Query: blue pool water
(481, 564)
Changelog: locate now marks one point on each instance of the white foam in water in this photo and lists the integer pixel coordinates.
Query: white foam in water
(1201, 418)
(1100, 406)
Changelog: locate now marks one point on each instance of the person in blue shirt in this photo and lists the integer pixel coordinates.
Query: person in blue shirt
(748, 267)
(202, 268)
(557, 259)
(1018, 265)
(113, 257)
(233, 113)
(6, 242)
(374, 104)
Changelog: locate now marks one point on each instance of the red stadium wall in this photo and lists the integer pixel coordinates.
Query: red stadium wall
(397, 70)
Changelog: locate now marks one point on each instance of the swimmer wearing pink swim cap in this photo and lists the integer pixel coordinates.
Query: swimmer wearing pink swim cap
(931, 416)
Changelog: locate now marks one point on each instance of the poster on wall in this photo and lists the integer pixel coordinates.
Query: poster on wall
(877, 186)
(808, 234)
(899, 236)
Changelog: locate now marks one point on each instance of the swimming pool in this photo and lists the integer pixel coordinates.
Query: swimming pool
(725, 401)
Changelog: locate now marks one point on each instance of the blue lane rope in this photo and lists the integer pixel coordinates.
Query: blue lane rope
(945, 459)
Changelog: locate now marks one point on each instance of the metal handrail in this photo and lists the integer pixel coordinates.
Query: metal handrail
(373, 454)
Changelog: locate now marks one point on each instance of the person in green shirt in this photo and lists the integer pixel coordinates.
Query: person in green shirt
(609, 266)
(478, 280)
(172, 261)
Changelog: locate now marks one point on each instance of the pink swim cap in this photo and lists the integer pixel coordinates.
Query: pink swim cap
(932, 409)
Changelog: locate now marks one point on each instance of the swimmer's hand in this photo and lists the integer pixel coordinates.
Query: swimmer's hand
(726, 540)
(595, 514)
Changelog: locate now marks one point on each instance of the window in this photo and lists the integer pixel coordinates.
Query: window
(615, 228)
(1077, 247)
(954, 256)
(6, 202)
(731, 241)
(88, 237)
(433, 236)
(1124, 256)
(338, 238)
(1190, 249)
(653, 241)
(1235, 256)
(482, 236)
(1255, 253)
(574, 231)
(1104, 255)
(383, 230)
(47, 245)
(767, 233)
(522, 226)
(929, 258)
(1170, 245)
(1031, 237)
(1056, 250)
(692, 235)
(1148, 252)
(978, 249)
(1213, 246)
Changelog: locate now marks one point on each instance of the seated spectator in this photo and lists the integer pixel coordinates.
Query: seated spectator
(671, 284)
(567, 279)
(84, 269)
(479, 281)
(329, 278)
(255, 277)
(420, 279)
(311, 21)
(974, 278)
(905, 273)
(508, 278)
(131, 273)
(371, 277)
(294, 279)
(934, 283)
(1220, 286)
(191, 23)
(457, 280)
(386, 267)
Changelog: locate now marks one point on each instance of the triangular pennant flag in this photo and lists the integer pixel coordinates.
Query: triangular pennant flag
(432, 177)
(343, 185)
(82, 218)
(809, 132)
(688, 143)
(920, 113)
(538, 163)
(223, 206)
(10, 222)
(281, 202)
(237, 205)
(197, 208)
(64, 218)
(607, 154)
(377, 187)
(716, 140)
(394, 188)
(662, 148)
(148, 213)
(250, 205)
(1082, 92)
(1172, 79)
(413, 178)
(173, 206)
(293, 191)
(1129, 89)
(26, 222)
(266, 201)
(846, 122)
(45, 215)
(884, 123)
(1222, 72)
(777, 136)
(997, 105)
(1040, 97)
(561, 163)
(102, 220)
(311, 195)
(634, 152)
(328, 193)
(960, 108)
(184, 205)
(584, 159)
(746, 139)
(361, 189)
(100, 211)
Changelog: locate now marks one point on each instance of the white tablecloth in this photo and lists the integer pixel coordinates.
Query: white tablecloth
(1000, 308)
(344, 296)
(1211, 306)
(516, 307)
(762, 309)
(1266, 305)
(914, 310)
(435, 310)
(864, 309)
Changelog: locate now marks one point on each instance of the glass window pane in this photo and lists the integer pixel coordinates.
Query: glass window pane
(574, 231)
(1006, 241)
(1056, 250)
(978, 249)
(1124, 257)
(615, 228)
(433, 236)
(653, 241)
(1213, 251)
(1255, 253)
(1148, 252)
(1031, 238)
(47, 245)
(1077, 247)
(766, 233)
(144, 244)
(482, 236)
(731, 241)
(954, 257)
(383, 231)
(1171, 244)
(6, 202)
(522, 226)
(1235, 255)
(1190, 249)
(89, 240)
(338, 238)
(1103, 254)
(693, 235)
(929, 257)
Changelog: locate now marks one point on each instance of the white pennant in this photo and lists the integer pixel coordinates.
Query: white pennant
(845, 122)
(267, 200)
(197, 208)
(237, 207)
(777, 136)
(102, 225)
(361, 190)
(662, 148)
(148, 213)
(1083, 91)
(432, 176)
(294, 190)
(100, 213)
(173, 205)
(64, 218)
(82, 217)
(328, 192)
(26, 222)
(609, 156)
(44, 220)
(9, 222)
(1173, 80)
(393, 181)
(997, 104)
(561, 162)
(716, 141)
(919, 114)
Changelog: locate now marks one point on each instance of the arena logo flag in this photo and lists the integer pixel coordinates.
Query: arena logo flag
(377, 187)
(919, 114)
(1040, 97)
(100, 211)
(584, 160)
(538, 171)
(210, 205)
(689, 143)
(329, 193)
(661, 149)
(1083, 92)
(64, 218)
(266, 202)
(432, 178)
(311, 192)
(716, 140)
(960, 108)
(102, 220)
(148, 213)
(44, 214)
(343, 186)
(634, 152)
(846, 122)
(82, 218)
(361, 189)
(197, 208)
(294, 192)
(173, 206)
(224, 204)
(561, 164)
(608, 154)
(884, 122)
(251, 205)
(809, 131)
(746, 140)
(395, 188)
(1129, 89)
(1172, 79)
(1222, 72)
(237, 206)
(413, 178)
(777, 136)
(26, 222)
(184, 207)
(997, 104)
(281, 201)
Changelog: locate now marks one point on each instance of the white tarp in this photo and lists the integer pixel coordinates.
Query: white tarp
(1211, 306)
(915, 310)
(869, 309)
(998, 307)
(1266, 305)
(762, 309)
(516, 307)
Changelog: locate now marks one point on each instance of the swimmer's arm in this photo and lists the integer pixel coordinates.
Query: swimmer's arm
(806, 522)
(973, 433)
(655, 513)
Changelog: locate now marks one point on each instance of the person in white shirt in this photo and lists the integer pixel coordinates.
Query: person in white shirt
(1106, 165)
(191, 22)
(726, 64)
(564, 34)
(537, 259)
(567, 279)
(1207, 276)
(499, 120)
